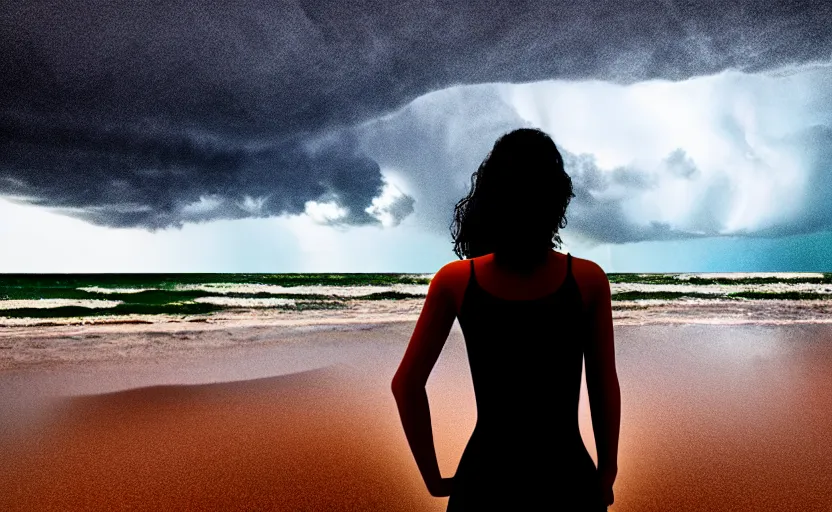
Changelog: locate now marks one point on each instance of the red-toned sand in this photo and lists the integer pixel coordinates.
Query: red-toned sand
(714, 418)
(299, 442)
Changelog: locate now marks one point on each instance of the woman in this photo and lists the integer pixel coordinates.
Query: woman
(528, 315)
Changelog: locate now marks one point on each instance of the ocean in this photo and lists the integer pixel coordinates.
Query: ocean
(136, 296)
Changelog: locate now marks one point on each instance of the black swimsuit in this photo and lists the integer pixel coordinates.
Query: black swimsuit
(526, 451)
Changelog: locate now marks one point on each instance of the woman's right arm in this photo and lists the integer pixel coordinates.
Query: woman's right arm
(602, 381)
(429, 336)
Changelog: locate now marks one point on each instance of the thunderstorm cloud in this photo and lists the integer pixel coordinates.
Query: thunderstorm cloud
(149, 114)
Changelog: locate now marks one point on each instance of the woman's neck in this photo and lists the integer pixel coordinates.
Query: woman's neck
(521, 263)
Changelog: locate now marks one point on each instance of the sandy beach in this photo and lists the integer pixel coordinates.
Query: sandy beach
(264, 414)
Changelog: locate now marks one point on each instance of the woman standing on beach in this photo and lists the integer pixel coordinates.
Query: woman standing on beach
(528, 315)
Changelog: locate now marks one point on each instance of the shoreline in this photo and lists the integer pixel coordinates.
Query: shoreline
(625, 312)
(119, 340)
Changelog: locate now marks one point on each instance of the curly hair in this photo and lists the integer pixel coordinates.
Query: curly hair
(517, 202)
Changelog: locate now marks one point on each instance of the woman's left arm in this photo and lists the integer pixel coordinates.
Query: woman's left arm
(432, 328)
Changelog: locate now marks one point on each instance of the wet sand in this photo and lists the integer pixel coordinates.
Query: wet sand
(714, 417)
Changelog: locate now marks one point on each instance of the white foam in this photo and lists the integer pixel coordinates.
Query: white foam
(721, 288)
(98, 289)
(343, 291)
(56, 303)
(246, 303)
(750, 275)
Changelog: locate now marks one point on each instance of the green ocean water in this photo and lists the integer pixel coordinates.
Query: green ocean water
(178, 294)
(91, 295)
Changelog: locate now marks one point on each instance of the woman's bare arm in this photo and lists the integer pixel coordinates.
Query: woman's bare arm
(432, 328)
(602, 380)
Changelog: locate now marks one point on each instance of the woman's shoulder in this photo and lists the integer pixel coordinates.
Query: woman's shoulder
(588, 269)
(452, 274)
(451, 270)
(452, 280)
(591, 279)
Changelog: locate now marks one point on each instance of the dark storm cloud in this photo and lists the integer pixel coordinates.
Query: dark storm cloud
(141, 113)
(139, 178)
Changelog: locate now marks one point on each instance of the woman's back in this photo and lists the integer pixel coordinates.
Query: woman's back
(525, 354)
(522, 350)
(526, 331)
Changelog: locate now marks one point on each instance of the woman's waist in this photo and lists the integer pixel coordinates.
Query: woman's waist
(528, 430)
(516, 448)
(545, 410)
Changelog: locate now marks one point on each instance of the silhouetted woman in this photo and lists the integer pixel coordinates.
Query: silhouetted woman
(529, 315)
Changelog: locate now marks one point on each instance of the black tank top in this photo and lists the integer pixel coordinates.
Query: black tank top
(525, 358)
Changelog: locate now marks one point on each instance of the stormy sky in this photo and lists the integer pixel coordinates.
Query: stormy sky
(337, 136)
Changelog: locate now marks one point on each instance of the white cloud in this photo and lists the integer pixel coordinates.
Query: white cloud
(253, 206)
(393, 205)
(324, 212)
(717, 155)
(722, 123)
(205, 205)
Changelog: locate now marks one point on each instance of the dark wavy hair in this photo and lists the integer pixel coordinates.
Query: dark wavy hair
(517, 203)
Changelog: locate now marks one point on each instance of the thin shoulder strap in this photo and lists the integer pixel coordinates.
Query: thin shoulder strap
(569, 276)
(473, 274)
